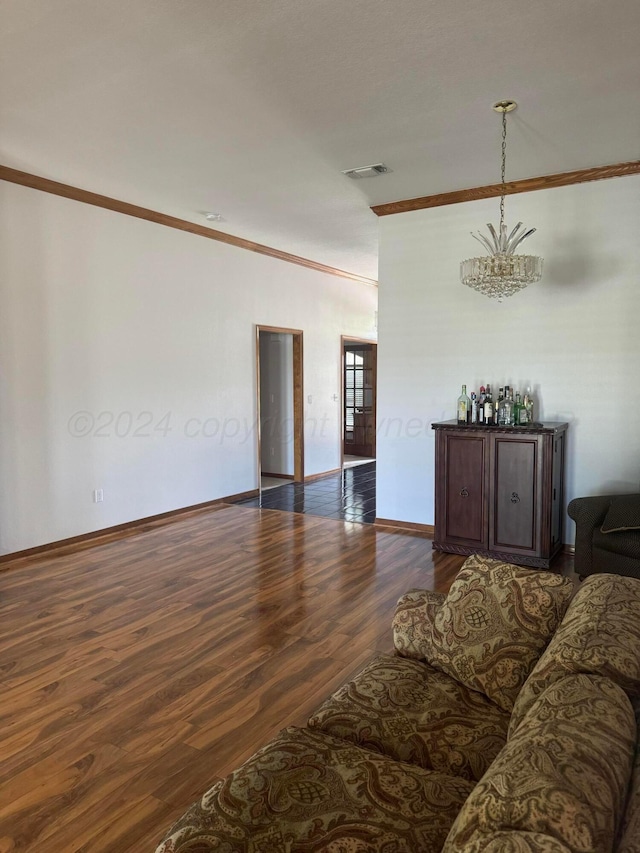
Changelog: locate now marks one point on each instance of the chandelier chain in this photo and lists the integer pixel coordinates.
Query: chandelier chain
(504, 165)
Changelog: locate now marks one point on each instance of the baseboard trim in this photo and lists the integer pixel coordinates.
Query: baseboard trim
(428, 529)
(277, 476)
(311, 477)
(120, 531)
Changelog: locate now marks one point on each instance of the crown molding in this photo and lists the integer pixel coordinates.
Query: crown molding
(46, 185)
(563, 179)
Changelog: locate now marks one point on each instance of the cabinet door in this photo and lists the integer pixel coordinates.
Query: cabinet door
(461, 515)
(516, 489)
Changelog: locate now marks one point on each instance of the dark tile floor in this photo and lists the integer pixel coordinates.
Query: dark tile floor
(347, 496)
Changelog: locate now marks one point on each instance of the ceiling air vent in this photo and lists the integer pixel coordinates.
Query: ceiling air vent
(367, 171)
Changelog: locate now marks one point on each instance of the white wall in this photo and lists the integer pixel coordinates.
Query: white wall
(150, 332)
(575, 336)
(276, 403)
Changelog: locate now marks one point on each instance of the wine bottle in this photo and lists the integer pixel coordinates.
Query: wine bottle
(474, 408)
(464, 407)
(481, 399)
(488, 406)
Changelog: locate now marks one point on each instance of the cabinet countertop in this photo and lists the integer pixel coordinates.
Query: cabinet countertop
(538, 427)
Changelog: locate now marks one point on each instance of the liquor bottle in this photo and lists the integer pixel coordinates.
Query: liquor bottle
(481, 399)
(510, 406)
(505, 408)
(502, 406)
(528, 403)
(464, 407)
(474, 408)
(496, 403)
(517, 410)
(488, 406)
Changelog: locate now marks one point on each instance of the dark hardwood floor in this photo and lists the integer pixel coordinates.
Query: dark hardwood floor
(136, 672)
(347, 495)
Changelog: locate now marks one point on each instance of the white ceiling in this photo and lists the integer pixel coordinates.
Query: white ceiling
(252, 107)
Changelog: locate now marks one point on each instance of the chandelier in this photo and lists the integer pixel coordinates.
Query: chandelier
(502, 273)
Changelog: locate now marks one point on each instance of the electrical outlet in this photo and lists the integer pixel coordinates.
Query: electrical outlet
(98, 496)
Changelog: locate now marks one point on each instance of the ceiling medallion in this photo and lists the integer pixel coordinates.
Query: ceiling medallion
(501, 273)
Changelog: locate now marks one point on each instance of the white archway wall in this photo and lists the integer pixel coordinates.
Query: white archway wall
(574, 337)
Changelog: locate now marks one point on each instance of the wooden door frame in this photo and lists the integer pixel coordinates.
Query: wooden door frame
(350, 339)
(298, 400)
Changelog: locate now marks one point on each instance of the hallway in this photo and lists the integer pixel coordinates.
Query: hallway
(349, 495)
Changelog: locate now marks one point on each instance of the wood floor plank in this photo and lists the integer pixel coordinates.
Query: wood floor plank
(114, 825)
(135, 672)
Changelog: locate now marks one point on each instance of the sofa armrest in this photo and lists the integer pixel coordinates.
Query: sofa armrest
(588, 514)
(412, 622)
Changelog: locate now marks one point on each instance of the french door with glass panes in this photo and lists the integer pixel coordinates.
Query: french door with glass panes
(359, 399)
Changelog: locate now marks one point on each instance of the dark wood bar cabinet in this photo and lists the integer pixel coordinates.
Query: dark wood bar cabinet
(500, 491)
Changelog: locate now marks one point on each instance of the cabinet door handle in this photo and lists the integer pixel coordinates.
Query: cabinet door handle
(515, 498)
(464, 493)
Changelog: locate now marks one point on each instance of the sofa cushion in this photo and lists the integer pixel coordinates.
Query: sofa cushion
(413, 622)
(616, 553)
(617, 543)
(494, 624)
(630, 831)
(623, 514)
(306, 791)
(564, 773)
(516, 842)
(412, 712)
(599, 634)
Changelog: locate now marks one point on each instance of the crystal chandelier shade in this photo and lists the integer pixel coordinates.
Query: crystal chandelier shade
(502, 273)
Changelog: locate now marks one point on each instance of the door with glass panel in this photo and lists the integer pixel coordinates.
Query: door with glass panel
(359, 399)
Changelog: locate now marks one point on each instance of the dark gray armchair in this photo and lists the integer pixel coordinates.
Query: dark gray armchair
(607, 534)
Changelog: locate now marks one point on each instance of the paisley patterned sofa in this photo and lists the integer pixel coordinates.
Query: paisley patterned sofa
(506, 722)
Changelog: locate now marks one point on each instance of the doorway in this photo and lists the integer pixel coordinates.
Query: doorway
(280, 428)
(359, 401)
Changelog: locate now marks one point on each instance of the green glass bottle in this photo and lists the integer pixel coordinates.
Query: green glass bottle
(464, 407)
(517, 410)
